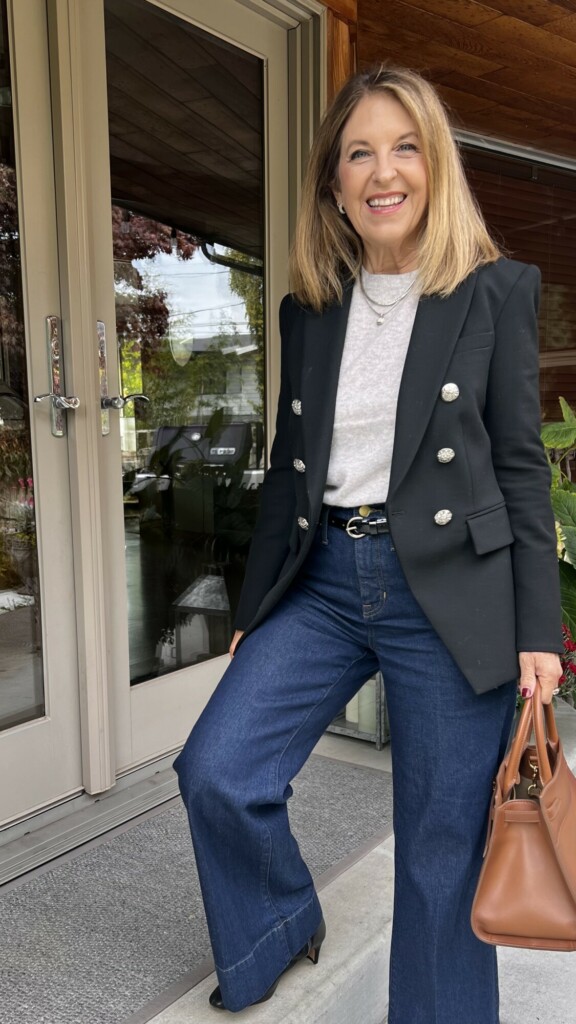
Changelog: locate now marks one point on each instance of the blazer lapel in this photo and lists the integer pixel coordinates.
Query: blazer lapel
(436, 330)
(324, 336)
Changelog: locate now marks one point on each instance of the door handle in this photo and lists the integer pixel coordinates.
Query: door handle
(119, 401)
(66, 402)
(107, 401)
(60, 402)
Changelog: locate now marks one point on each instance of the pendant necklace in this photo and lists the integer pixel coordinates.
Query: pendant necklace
(381, 314)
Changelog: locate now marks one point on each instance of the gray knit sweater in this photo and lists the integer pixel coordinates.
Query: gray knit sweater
(368, 386)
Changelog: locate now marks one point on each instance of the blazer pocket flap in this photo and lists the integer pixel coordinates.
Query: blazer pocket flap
(490, 529)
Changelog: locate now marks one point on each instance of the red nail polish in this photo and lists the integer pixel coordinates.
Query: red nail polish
(526, 693)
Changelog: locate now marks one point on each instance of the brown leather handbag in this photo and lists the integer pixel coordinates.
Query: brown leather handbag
(526, 894)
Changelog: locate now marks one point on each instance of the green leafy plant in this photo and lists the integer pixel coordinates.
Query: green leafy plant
(560, 442)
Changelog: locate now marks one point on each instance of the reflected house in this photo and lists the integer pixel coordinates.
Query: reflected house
(239, 394)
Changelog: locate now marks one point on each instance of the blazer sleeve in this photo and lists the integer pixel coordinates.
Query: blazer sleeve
(269, 546)
(512, 418)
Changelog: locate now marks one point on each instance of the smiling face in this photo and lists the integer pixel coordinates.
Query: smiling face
(382, 182)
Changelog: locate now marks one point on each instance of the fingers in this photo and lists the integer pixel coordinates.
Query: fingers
(549, 687)
(527, 681)
(235, 639)
(542, 668)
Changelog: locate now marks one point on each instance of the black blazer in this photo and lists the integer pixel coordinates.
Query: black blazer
(487, 580)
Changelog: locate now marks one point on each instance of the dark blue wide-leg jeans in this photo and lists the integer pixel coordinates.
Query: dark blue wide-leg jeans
(349, 613)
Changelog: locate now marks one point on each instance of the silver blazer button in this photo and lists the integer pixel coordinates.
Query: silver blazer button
(303, 523)
(299, 466)
(443, 517)
(450, 392)
(297, 407)
(445, 455)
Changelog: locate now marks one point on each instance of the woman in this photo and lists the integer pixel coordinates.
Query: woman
(405, 525)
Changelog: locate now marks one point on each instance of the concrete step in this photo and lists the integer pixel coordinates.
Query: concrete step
(350, 983)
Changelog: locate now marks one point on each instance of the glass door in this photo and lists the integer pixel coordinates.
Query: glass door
(190, 216)
(39, 706)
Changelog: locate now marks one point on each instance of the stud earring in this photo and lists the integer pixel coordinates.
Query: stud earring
(341, 208)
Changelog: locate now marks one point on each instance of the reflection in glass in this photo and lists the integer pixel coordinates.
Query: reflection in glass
(21, 687)
(190, 338)
(186, 115)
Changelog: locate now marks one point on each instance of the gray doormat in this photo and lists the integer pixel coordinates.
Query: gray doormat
(98, 936)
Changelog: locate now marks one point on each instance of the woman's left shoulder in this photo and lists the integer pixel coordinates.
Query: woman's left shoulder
(504, 274)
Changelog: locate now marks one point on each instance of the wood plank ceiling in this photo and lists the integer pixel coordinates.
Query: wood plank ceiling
(185, 117)
(507, 68)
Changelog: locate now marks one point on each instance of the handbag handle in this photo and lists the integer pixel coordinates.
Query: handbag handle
(539, 717)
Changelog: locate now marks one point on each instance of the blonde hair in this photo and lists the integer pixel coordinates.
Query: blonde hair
(454, 240)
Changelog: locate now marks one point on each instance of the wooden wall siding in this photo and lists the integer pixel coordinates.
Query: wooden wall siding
(347, 10)
(185, 126)
(507, 68)
(341, 57)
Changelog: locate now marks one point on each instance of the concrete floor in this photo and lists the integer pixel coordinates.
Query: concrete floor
(343, 748)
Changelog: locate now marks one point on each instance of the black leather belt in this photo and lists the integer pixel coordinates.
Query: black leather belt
(361, 526)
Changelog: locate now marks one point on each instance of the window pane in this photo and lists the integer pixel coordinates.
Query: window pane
(21, 686)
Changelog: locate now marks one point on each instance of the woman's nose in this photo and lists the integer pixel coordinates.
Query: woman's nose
(384, 170)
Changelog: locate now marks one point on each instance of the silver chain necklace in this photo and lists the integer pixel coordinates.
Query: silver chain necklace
(381, 314)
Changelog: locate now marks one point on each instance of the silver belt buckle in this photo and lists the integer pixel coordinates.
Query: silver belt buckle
(351, 527)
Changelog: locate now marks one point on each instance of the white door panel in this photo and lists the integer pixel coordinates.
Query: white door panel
(39, 706)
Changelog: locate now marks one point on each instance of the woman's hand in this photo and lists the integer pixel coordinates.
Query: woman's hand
(542, 667)
(235, 639)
